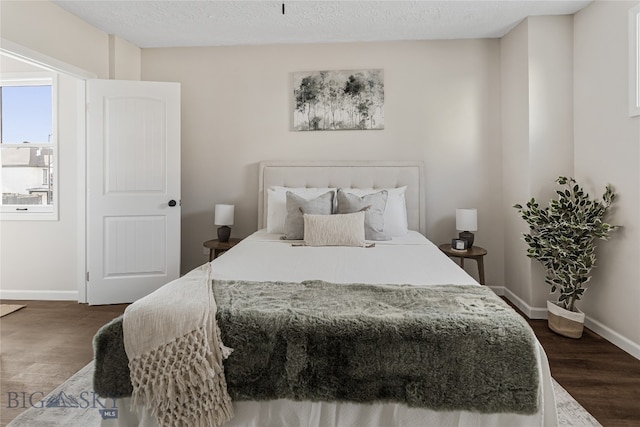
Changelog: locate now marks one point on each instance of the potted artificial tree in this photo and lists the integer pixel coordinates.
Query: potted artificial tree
(562, 238)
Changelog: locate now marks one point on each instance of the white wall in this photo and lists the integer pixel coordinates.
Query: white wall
(442, 103)
(537, 138)
(44, 260)
(564, 112)
(124, 59)
(515, 158)
(607, 151)
(46, 28)
(40, 258)
(550, 116)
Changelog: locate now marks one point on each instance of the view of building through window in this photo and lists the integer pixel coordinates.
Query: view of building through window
(27, 146)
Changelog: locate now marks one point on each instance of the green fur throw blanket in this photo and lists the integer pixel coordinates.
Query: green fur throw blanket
(444, 347)
(440, 347)
(111, 377)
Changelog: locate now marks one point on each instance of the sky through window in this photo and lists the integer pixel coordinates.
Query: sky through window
(26, 114)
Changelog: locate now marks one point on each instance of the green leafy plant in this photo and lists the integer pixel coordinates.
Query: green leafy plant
(562, 237)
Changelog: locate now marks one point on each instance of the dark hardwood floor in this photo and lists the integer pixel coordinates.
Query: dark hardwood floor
(42, 345)
(599, 375)
(45, 343)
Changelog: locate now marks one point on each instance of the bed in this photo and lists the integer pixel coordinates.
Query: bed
(406, 261)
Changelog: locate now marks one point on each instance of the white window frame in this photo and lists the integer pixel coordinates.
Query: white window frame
(634, 61)
(36, 212)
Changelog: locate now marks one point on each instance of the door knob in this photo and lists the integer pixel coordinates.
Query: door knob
(172, 203)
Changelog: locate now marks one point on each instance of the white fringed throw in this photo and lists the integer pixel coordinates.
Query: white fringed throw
(175, 353)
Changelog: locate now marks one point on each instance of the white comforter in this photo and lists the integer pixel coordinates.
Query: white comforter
(408, 260)
(411, 259)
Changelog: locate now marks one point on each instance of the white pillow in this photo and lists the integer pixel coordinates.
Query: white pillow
(277, 204)
(334, 230)
(395, 214)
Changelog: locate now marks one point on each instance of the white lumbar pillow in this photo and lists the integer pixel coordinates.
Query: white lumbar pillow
(334, 230)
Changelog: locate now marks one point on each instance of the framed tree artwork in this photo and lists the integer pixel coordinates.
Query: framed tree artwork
(338, 100)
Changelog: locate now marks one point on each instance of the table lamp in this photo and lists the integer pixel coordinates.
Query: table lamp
(466, 222)
(224, 218)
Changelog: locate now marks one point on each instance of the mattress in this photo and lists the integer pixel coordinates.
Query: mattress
(411, 259)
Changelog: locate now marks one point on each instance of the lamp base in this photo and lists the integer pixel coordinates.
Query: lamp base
(224, 233)
(468, 236)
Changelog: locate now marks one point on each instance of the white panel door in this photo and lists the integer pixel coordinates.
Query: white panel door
(133, 188)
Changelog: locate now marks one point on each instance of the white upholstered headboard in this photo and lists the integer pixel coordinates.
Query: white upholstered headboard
(347, 174)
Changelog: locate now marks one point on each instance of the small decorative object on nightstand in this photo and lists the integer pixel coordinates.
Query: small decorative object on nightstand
(216, 247)
(474, 252)
(459, 244)
(224, 217)
(466, 222)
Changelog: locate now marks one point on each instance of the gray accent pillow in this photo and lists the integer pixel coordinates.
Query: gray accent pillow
(374, 204)
(297, 206)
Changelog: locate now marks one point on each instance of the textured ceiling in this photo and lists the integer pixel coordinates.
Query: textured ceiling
(213, 23)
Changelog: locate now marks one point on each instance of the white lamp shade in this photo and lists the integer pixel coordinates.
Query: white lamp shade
(224, 214)
(466, 219)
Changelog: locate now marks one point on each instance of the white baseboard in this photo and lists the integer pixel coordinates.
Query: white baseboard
(613, 337)
(605, 332)
(39, 295)
(498, 290)
(530, 312)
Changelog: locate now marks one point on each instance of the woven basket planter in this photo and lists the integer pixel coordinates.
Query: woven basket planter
(564, 322)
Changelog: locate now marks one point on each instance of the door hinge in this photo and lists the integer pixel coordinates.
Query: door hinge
(87, 276)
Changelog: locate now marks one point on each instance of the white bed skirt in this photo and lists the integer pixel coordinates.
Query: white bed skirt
(287, 413)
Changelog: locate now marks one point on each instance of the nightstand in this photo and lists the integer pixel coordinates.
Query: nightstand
(217, 247)
(475, 252)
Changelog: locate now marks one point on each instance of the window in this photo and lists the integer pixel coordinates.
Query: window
(28, 146)
(634, 61)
